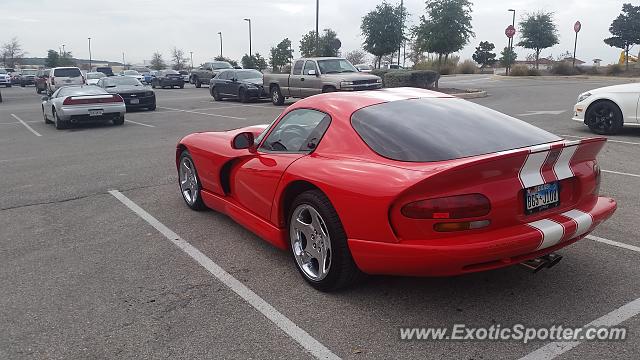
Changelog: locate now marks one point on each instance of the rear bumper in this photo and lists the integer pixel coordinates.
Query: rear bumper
(144, 102)
(81, 113)
(489, 250)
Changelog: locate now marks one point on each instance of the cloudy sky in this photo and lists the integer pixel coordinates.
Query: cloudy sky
(140, 27)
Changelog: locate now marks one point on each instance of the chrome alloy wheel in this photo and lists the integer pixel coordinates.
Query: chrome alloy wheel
(310, 242)
(188, 181)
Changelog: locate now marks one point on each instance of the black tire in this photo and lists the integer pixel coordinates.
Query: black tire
(276, 95)
(216, 94)
(197, 82)
(23, 85)
(198, 204)
(38, 91)
(182, 86)
(243, 96)
(152, 108)
(8, 85)
(44, 116)
(604, 117)
(118, 121)
(343, 271)
(328, 89)
(60, 125)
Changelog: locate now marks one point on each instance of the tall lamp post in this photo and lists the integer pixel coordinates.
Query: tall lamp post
(89, 53)
(249, 20)
(220, 33)
(401, 28)
(191, 53)
(317, 30)
(63, 51)
(513, 23)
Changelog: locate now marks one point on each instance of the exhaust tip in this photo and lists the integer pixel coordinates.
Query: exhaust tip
(546, 261)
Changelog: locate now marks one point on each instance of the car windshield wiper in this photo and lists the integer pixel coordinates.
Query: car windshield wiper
(345, 71)
(331, 72)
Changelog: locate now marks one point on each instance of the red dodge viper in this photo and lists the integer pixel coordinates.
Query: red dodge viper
(398, 181)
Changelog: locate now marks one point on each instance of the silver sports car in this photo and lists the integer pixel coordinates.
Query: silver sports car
(82, 103)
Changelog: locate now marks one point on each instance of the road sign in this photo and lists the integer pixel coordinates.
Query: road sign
(510, 31)
(577, 26)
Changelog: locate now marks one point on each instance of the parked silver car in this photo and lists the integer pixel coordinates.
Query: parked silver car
(82, 103)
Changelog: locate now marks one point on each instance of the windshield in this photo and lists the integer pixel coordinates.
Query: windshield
(131, 72)
(423, 130)
(67, 72)
(3, 71)
(95, 75)
(220, 65)
(335, 66)
(29, 72)
(115, 81)
(248, 74)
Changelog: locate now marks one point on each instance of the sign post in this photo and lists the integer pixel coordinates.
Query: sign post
(576, 27)
(509, 31)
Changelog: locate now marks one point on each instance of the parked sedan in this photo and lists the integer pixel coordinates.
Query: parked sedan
(134, 74)
(343, 186)
(82, 103)
(135, 95)
(606, 110)
(167, 78)
(93, 77)
(241, 84)
(27, 77)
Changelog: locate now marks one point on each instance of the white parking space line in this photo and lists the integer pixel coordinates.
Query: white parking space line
(617, 316)
(26, 125)
(621, 173)
(201, 113)
(608, 140)
(138, 123)
(313, 346)
(613, 243)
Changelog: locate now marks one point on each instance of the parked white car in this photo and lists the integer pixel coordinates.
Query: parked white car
(64, 76)
(5, 78)
(93, 77)
(82, 103)
(606, 110)
(134, 74)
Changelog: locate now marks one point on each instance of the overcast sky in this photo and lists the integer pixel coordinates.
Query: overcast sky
(140, 27)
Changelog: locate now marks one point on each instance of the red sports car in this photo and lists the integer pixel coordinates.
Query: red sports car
(398, 181)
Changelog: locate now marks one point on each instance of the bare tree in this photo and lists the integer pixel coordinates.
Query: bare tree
(12, 51)
(178, 59)
(356, 56)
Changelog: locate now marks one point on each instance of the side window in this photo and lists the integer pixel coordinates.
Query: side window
(310, 65)
(297, 67)
(99, 83)
(224, 75)
(298, 131)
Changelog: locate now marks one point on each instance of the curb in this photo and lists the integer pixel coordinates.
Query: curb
(471, 95)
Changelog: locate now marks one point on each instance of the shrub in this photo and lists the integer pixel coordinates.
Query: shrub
(425, 79)
(564, 68)
(445, 68)
(467, 67)
(533, 72)
(592, 70)
(519, 70)
(614, 69)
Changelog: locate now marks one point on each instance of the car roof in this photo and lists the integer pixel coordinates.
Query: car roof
(347, 103)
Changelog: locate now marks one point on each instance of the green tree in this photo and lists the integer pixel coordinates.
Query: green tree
(53, 59)
(255, 61)
(281, 55)
(328, 44)
(625, 30)
(178, 59)
(157, 63)
(66, 59)
(383, 30)
(446, 28)
(11, 52)
(538, 32)
(484, 55)
(230, 61)
(507, 56)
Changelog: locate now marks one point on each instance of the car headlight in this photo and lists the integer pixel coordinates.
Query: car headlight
(583, 96)
(346, 83)
(149, 93)
(379, 80)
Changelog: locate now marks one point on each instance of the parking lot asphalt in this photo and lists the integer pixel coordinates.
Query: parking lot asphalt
(84, 276)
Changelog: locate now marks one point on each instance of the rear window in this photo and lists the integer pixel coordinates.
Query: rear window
(423, 130)
(67, 72)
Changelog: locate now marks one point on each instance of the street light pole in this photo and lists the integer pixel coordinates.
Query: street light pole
(191, 53)
(401, 28)
(123, 63)
(63, 52)
(220, 33)
(317, 30)
(250, 53)
(513, 23)
(89, 53)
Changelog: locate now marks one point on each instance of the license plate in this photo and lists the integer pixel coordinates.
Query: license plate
(95, 112)
(135, 101)
(541, 197)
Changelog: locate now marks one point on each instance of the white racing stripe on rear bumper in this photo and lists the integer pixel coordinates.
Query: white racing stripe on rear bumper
(562, 169)
(583, 220)
(552, 232)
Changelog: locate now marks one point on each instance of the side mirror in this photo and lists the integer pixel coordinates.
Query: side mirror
(244, 140)
(45, 98)
(311, 72)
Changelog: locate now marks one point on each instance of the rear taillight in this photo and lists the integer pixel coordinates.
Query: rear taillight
(451, 207)
(83, 101)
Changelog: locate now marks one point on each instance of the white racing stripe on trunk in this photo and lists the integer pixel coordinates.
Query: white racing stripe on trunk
(562, 168)
(530, 173)
(552, 232)
(583, 220)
